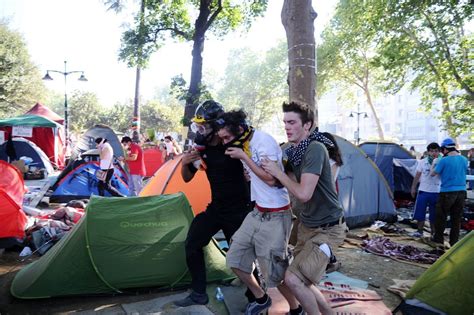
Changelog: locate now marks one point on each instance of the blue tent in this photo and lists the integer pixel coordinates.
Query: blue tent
(27, 148)
(78, 181)
(383, 155)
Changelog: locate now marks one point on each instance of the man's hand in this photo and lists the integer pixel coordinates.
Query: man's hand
(271, 167)
(413, 192)
(189, 157)
(235, 153)
(121, 158)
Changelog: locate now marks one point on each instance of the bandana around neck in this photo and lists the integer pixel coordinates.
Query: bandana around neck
(243, 141)
(295, 152)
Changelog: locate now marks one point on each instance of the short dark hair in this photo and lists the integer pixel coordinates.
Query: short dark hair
(126, 139)
(99, 140)
(169, 138)
(232, 121)
(433, 146)
(303, 110)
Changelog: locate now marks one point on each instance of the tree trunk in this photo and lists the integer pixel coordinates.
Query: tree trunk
(192, 98)
(136, 108)
(447, 118)
(136, 100)
(374, 112)
(298, 19)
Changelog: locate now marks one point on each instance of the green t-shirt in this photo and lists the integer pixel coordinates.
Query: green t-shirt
(324, 206)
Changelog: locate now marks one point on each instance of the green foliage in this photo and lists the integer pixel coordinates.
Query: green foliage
(172, 19)
(20, 81)
(256, 82)
(179, 90)
(424, 44)
(84, 111)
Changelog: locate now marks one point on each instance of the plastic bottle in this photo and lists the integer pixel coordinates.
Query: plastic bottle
(219, 294)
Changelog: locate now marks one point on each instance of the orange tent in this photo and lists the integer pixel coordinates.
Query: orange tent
(168, 180)
(12, 190)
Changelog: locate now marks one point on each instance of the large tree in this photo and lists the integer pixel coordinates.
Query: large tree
(20, 81)
(173, 18)
(346, 54)
(298, 19)
(424, 44)
(85, 111)
(256, 82)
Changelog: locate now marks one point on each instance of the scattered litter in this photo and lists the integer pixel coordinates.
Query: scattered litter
(26, 252)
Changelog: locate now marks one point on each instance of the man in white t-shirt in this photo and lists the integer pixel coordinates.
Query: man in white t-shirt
(265, 232)
(428, 191)
(106, 155)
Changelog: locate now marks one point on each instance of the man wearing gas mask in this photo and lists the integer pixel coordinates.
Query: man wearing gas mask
(230, 196)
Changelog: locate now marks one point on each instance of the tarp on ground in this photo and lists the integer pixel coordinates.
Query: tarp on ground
(87, 141)
(383, 154)
(12, 190)
(24, 147)
(448, 284)
(43, 111)
(45, 133)
(120, 243)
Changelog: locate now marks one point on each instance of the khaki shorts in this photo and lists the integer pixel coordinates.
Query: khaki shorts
(262, 236)
(310, 262)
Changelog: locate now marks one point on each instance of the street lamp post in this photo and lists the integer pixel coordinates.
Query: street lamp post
(65, 73)
(358, 113)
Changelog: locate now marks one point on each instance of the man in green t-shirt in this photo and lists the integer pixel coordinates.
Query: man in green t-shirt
(322, 227)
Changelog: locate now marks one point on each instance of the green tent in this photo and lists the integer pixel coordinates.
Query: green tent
(120, 243)
(448, 284)
(28, 120)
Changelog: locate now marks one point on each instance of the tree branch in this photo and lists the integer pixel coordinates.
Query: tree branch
(213, 16)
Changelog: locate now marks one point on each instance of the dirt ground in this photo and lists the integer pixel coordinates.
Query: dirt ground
(378, 271)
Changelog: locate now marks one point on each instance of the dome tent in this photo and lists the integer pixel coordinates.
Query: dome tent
(120, 243)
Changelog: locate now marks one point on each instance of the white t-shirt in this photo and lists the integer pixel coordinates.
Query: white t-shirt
(428, 183)
(107, 156)
(169, 147)
(262, 145)
(338, 168)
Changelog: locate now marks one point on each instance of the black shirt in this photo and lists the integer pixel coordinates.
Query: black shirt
(229, 189)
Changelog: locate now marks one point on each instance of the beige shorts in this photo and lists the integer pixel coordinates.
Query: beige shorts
(310, 262)
(262, 236)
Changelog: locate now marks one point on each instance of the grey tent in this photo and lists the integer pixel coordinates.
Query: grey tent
(24, 147)
(363, 191)
(86, 142)
(383, 154)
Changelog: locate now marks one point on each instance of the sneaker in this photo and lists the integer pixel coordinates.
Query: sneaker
(193, 299)
(254, 308)
(416, 234)
(301, 312)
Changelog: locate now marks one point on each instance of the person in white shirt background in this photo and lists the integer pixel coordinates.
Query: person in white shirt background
(106, 154)
(428, 190)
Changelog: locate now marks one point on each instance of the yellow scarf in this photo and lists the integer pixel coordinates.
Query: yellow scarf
(243, 141)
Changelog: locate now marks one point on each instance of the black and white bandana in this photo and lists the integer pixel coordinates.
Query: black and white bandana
(295, 152)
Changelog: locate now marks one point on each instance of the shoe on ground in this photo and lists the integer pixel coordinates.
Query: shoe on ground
(416, 234)
(302, 312)
(254, 308)
(193, 299)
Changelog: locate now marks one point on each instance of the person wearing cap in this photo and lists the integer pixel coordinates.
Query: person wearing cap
(136, 165)
(265, 231)
(452, 169)
(230, 201)
(322, 227)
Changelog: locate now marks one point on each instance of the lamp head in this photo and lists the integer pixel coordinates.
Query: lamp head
(47, 77)
(351, 116)
(82, 78)
(366, 116)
